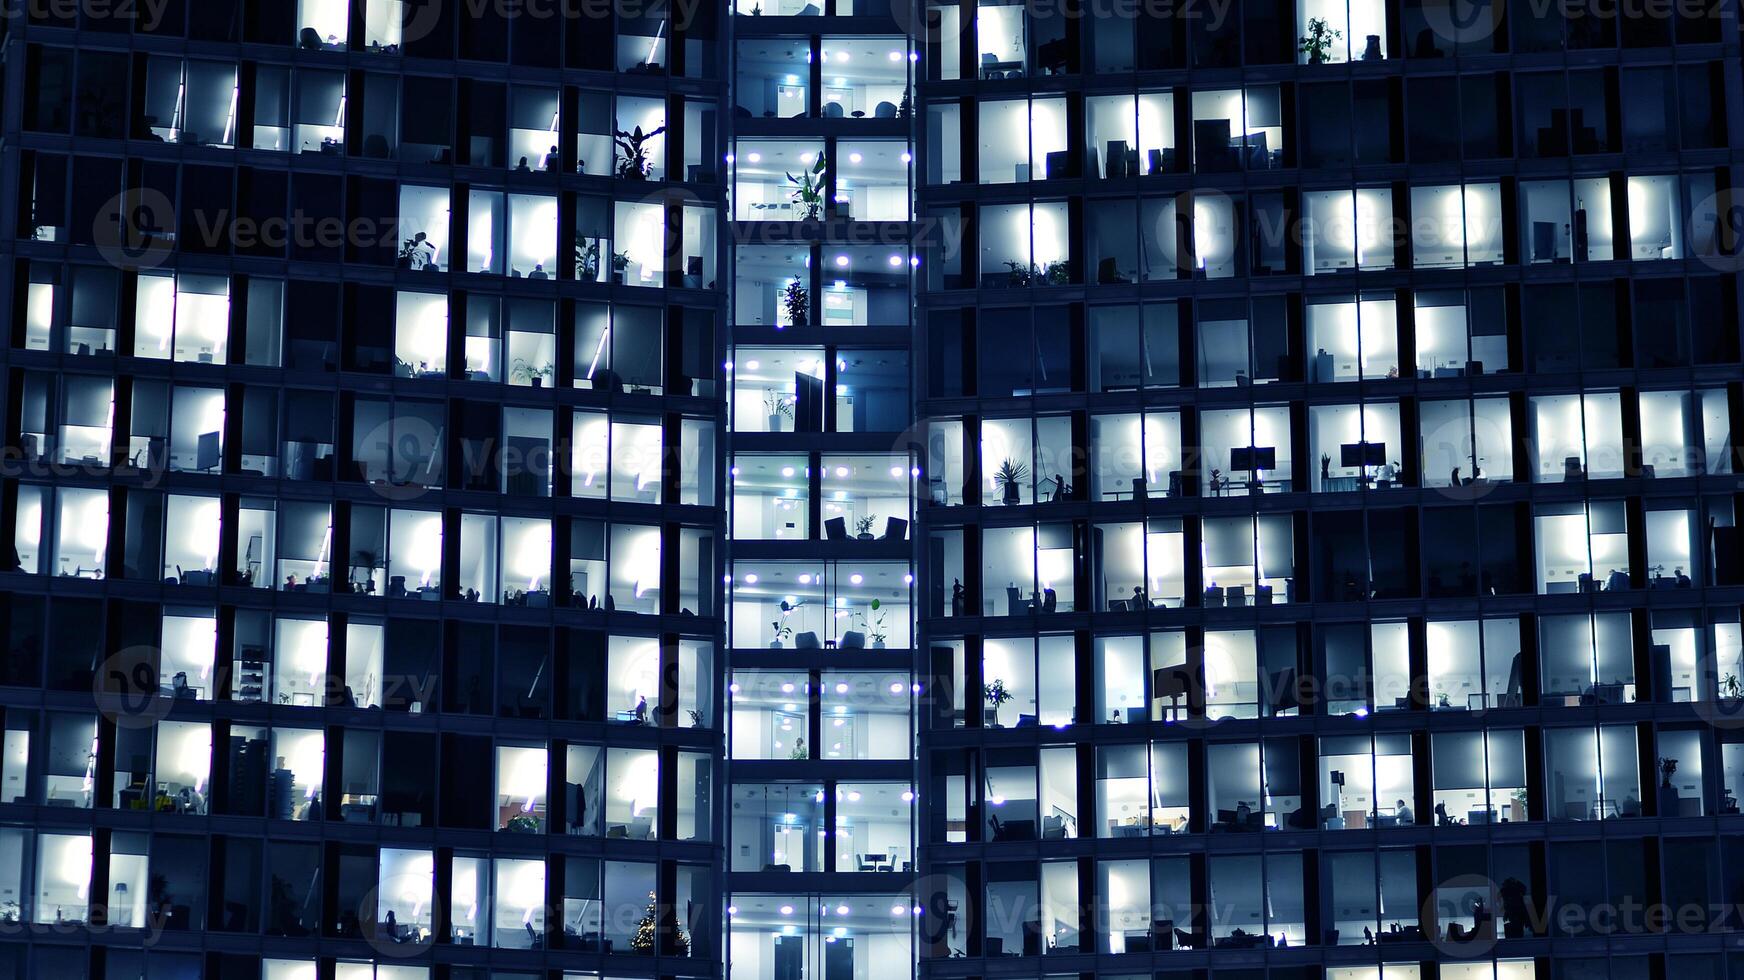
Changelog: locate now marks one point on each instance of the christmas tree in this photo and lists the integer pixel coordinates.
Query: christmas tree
(647, 931)
(643, 940)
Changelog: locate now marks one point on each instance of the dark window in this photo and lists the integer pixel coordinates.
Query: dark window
(944, 333)
(51, 74)
(102, 97)
(1428, 103)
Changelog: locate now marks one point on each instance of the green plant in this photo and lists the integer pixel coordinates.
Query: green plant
(632, 156)
(864, 526)
(1010, 478)
(368, 560)
(776, 403)
(796, 300)
(1057, 274)
(522, 372)
(873, 624)
(808, 189)
(782, 631)
(995, 694)
(1317, 43)
(1018, 273)
(523, 823)
(1730, 688)
(586, 253)
(10, 911)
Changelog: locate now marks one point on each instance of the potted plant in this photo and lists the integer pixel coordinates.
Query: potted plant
(782, 632)
(875, 628)
(10, 911)
(523, 823)
(1009, 478)
(620, 268)
(1670, 805)
(1325, 466)
(779, 406)
(586, 252)
(796, 300)
(408, 255)
(1515, 915)
(368, 560)
(696, 718)
(863, 530)
(1018, 273)
(1317, 43)
(523, 372)
(1058, 273)
(996, 695)
(808, 190)
(632, 160)
(1730, 688)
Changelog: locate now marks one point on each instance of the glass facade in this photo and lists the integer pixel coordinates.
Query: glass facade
(870, 489)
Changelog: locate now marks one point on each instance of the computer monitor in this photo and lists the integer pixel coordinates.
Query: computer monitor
(1355, 454)
(1253, 458)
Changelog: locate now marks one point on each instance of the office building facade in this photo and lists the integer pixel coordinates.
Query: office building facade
(851, 490)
